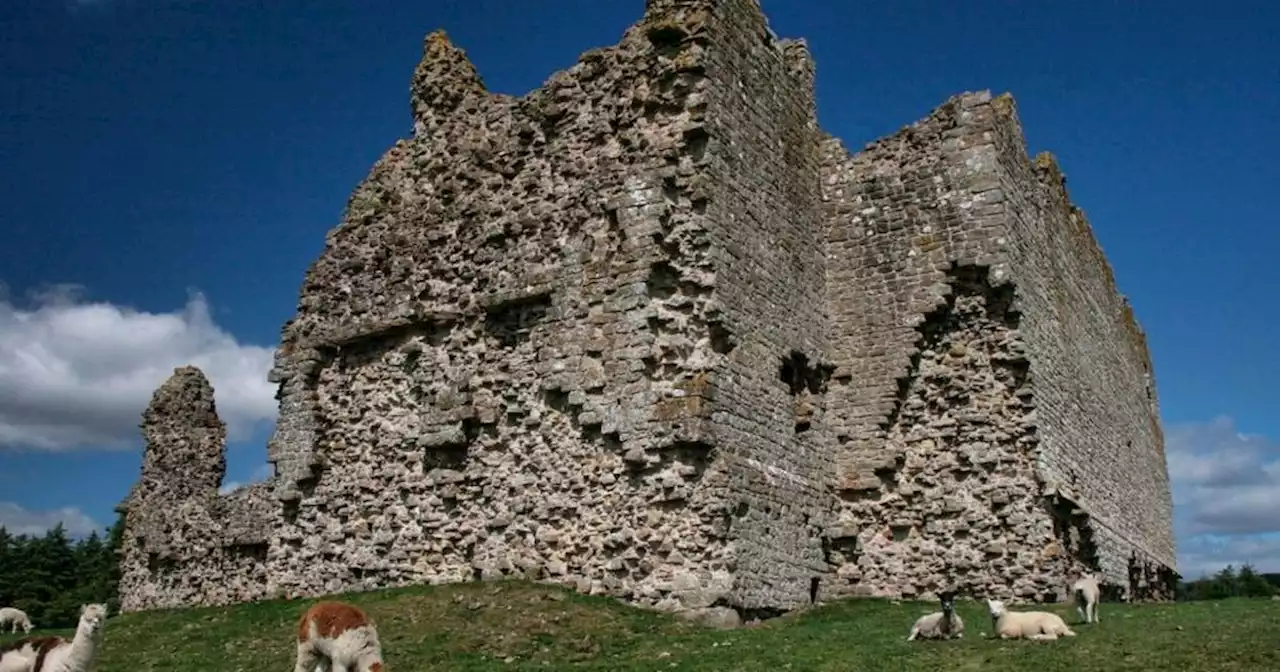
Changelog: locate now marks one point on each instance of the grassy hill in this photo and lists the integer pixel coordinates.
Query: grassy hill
(522, 626)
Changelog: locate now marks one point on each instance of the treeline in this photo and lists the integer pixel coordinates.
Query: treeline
(49, 577)
(1230, 582)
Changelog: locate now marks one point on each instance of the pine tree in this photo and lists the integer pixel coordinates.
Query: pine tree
(49, 577)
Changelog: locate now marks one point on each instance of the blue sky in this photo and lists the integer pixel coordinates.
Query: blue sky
(170, 167)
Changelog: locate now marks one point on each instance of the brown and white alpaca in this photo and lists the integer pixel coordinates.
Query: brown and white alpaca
(15, 618)
(1086, 592)
(338, 637)
(20, 655)
(78, 654)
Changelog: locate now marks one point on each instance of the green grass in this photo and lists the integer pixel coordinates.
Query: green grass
(522, 626)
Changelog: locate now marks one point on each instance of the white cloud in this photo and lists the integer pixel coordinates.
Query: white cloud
(262, 473)
(1226, 491)
(79, 374)
(18, 520)
(1206, 554)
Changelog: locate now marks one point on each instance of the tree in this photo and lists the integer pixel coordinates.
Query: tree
(1252, 584)
(49, 577)
(1224, 584)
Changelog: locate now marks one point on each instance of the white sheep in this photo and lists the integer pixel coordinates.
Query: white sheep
(1040, 625)
(15, 618)
(945, 624)
(1086, 593)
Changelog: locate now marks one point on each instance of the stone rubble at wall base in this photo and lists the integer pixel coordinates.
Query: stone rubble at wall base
(648, 332)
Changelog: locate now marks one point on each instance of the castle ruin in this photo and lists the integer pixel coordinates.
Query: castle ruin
(647, 331)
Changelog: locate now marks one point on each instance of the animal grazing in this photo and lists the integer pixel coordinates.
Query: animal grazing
(945, 624)
(1039, 625)
(76, 655)
(15, 618)
(338, 637)
(1086, 593)
(20, 655)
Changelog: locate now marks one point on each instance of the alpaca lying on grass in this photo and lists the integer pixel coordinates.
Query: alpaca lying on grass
(14, 618)
(1040, 625)
(945, 624)
(1086, 593)
(339, 637)
(78, 654)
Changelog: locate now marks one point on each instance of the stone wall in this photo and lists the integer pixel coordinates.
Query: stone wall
(948, 207)
(184, 543)
(646, 332)
(766, 233)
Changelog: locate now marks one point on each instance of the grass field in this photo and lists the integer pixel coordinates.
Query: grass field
(521, 626)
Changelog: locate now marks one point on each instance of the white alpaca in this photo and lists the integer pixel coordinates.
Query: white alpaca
(945, 624)
(1041, 625)
(78, 654)
(1086, 593)
(15, 618)
(337, 637)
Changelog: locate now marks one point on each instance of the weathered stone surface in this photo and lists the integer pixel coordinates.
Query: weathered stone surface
(183, 543)
(647, 333)
(1061, 382)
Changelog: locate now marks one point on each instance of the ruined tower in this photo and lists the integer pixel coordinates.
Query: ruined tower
(183, 542)
(648, 332)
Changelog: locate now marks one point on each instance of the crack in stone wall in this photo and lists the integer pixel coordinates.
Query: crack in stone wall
(646, 332)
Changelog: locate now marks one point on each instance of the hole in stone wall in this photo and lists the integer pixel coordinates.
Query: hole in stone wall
(663, 281)
(722, 340)
(510, 323)
(666, 37)
(452, 455)
(410, 364)
(697, 453)
(801, 376)
(696, 141)
(290, 510)
(1150, 582)
(556, 399)
(615, 226)
(445, 457)
(307, 484)
(1073, 531)
(670, 191)
(255, 552)
(160, 565)
(814, 584)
